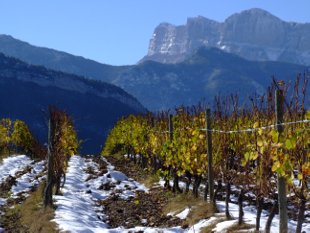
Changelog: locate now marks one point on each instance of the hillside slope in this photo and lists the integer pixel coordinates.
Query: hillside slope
(205, 74)
(57, 60)
(26, 92)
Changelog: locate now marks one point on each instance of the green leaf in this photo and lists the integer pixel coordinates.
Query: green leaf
(243, 162)
(260, 142)
(288, 166)
(275, 166)
(275, 136)
(254, 155)
(246, 156)
(280, 171)
(256, 125)
(288, 144)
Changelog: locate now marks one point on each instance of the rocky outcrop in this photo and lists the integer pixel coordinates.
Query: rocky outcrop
(254, 34)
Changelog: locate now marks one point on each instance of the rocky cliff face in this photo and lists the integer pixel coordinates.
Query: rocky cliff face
(253, 34)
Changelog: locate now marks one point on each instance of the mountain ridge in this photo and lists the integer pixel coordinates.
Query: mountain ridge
(28, 90)
(247, 34)
(203, 75)
(55, 59)
(161, 86)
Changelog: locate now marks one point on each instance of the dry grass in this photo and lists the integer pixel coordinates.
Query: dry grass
(244, 228)
(150, 179)
(209, 228)
(30, 216)
(3, 155)
(35, 216)
(199, 209)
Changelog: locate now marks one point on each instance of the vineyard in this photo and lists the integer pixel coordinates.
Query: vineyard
(263, 151)
(232, 168)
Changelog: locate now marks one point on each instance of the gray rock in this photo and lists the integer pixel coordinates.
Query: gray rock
(253, 34)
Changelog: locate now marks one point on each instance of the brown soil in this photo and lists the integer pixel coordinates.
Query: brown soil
(145, 209)
(6, 185)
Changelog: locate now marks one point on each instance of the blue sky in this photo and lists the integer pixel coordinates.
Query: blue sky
(117, 32)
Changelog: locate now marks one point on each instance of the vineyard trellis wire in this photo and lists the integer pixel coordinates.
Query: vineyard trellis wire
(246, 130)
(256, 129)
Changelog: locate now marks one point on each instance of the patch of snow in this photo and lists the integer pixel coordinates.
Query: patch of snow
(12, 164)
(118, 176)
(184, 213)
(27, 181)
(2, 201)
(201, 224)
(250, 218)
(223, 226)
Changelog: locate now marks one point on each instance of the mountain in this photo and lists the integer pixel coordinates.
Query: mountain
(207, 73)
(253, 34)
(203, 73)
(57, 60)
(27, 91)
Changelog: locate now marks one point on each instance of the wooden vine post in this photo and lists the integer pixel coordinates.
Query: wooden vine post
(209, 151)
(170, 128)
(175, 187)
(48, 192)
(282, 200)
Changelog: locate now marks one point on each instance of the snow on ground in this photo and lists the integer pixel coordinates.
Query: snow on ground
(249, 215)
(184, 213)
(16, 163)
(12, 164)
(27, 181)
(249, 218)
(76, 208)
(77, 211)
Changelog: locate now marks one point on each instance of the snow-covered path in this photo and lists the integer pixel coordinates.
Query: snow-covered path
(77, 211)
